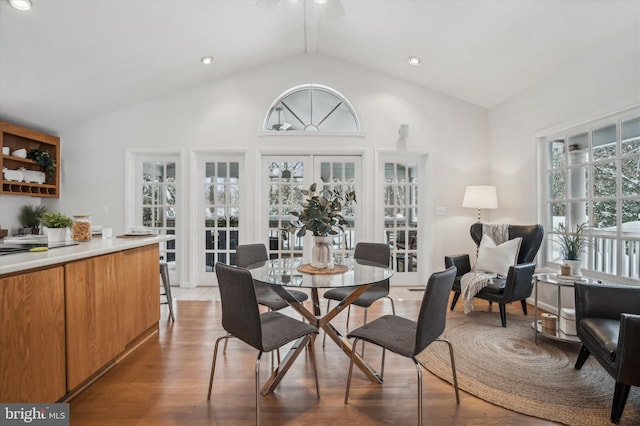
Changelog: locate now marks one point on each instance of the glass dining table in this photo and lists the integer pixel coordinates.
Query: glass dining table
(294, 273)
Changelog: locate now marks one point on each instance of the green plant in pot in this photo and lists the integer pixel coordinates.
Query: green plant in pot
(57, 224)
(29, 217)
(321, 214)
(572, 245)
(46, 161)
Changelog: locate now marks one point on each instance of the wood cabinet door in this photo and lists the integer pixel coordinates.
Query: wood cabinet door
(32, 348)
(140, 287)
(92, 299)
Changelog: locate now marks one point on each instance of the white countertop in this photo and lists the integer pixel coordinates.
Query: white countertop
(24, 261)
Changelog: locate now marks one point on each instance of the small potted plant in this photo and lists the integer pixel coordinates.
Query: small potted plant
(321, 214)
(57, 225)
(572, 245)
(46, 161)
(29, 218)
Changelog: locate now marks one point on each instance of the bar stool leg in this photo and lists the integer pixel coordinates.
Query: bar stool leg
(164, 273)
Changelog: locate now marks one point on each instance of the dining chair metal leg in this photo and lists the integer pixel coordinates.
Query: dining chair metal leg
(224, 348)
(258, 388)
(419, 370)
(213, 363)
(453, 368)
(384, 351)
(393, 306)
(365, 323)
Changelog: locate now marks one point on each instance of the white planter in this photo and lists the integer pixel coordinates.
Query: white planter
(322, 252)
(575, 266)
(56, 235)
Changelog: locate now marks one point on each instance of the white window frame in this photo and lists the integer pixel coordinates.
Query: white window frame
(312, 165)
(311, 87)
(601, 267)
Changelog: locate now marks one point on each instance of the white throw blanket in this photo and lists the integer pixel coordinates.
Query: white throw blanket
(472, 282)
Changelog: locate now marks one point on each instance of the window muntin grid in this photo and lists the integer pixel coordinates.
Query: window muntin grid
(285, 183)
(311, 108)
(221, 201)
(159, 208)
(401, 213)
(286, 179)
(341, 175)
(593, 177)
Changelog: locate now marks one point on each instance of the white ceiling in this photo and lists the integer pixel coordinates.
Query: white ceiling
(68, 61)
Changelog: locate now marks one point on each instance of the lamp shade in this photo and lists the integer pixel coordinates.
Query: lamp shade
(480, 197)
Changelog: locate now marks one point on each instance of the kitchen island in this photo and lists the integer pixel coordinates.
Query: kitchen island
(70, 313)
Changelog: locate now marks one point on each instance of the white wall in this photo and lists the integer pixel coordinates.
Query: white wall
(604, 81)
(229, 113)
(10, 206)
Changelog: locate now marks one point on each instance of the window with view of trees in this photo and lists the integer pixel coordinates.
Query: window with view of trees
(401, 213)
(159, 203)
(592, 177)
(222, 212)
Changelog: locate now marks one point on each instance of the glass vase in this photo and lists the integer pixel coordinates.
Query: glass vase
(322, 252)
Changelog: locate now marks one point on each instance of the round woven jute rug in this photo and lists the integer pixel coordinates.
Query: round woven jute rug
(504, 366)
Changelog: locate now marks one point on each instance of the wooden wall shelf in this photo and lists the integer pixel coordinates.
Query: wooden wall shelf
(16, 137)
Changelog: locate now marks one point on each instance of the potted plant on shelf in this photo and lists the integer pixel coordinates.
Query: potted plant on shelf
(572, 245)
(29, 218)
(321, 214)
(57, 225)
(46, 161)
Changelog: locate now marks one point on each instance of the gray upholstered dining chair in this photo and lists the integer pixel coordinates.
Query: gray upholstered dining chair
(249, 254)
(372, 252)
(241, 318)
(408, 338)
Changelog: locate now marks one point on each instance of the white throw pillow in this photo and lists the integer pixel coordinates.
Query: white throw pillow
(497, 259)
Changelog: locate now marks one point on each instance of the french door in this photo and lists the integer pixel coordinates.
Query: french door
(221, 179)
(155, 201)
(284, 179)
(404, 186)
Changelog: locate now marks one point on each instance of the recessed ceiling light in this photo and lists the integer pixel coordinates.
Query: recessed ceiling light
(319, 1)
(414, 60)
(21, 4)
(207, 60)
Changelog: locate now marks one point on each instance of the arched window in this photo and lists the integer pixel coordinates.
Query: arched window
(311, 108)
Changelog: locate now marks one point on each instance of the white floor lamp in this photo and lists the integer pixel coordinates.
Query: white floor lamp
(480, 197)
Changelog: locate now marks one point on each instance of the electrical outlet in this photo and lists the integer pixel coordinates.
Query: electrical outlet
(105, 209)
(441, 211)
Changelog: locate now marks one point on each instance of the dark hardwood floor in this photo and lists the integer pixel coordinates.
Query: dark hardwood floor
(165, 382)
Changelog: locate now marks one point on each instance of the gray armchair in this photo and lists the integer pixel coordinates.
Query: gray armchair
(608, 325)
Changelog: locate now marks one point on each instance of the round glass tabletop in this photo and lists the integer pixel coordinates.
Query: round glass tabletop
(287, 272)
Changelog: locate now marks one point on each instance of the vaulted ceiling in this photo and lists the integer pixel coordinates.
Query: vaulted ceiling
(67, 61)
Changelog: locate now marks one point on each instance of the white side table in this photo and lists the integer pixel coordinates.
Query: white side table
(551, 279)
